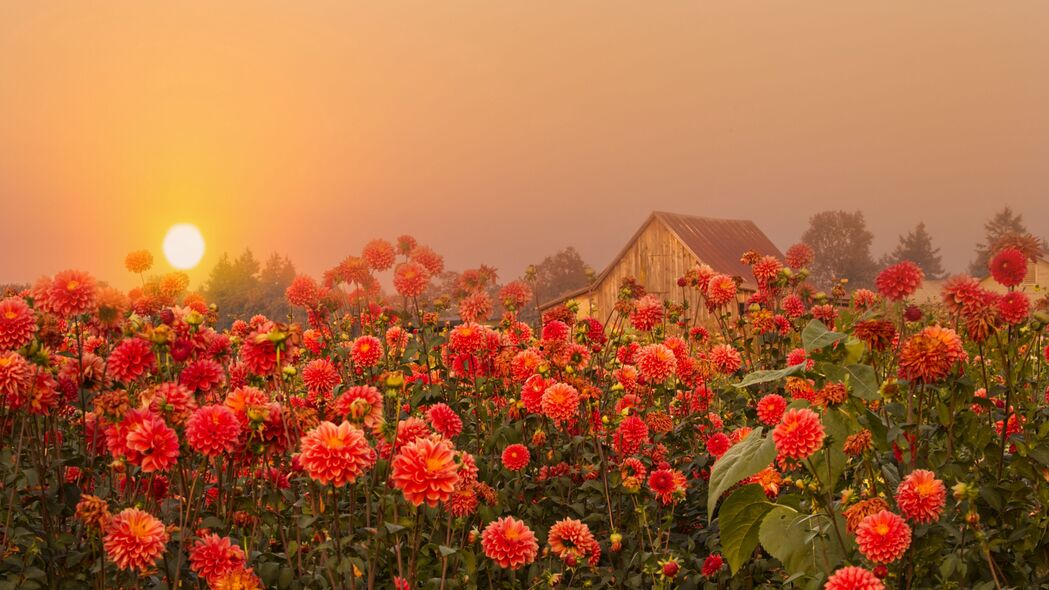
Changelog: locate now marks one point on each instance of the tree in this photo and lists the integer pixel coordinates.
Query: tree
(242, 287)
(842, 247)
(1003, 226)
(916, 246)
(559, 274)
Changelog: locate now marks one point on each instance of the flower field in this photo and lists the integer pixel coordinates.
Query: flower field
(783, 438)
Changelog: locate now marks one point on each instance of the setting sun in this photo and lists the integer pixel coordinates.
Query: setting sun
(183, 246)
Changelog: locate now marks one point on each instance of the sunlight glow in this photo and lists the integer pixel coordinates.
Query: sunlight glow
(184, 246)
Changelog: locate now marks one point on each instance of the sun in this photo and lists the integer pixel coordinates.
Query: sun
(183, 246)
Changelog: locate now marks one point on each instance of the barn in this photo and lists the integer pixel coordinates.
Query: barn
(663, 249)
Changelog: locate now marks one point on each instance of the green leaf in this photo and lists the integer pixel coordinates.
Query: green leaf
(446, 551)
(796, 541)
(816, 335)
(740, 522)
(766, 376)
(744, 459)
(863, 381)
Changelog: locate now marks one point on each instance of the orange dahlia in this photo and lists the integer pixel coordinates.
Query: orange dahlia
(366, 351)
(509, 542)
(17, 323)
(560, 402)
(71, 292)
(145, 440)
(883, 537)
(900, 281)
(138, 261)
(132, 359)
(239, 578)
(360, 403)
(572, 540)
(721, 289)
(134, 539)
(1009, 267)
(853, 578)
(444, 420)
(921, 496)
(425, 470)
(771, 408)
(335, 454)
(726, 358)
(656, 363)
(15, 379)
(930, 354)
(410, 279)
(855, 514)
(799, 434)
(212, 430)
(379, 255)
(647, 313)
(213, 556)
(516, 457)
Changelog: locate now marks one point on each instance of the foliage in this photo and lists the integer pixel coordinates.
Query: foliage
(842, 245)
(917, 247)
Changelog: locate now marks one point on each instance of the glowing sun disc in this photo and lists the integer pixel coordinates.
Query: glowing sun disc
(183, 246)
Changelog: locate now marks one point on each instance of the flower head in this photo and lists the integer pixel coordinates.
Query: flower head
(771, 408)
(667, 484)
(212, 430)
(883, 537)
(1009, 267)
(444, 420)
(138, 261)
(853, 578)
(509, 542)
(425, 470)
(70, 293)
(213, 556)
(900, 281)
(17, 323)
(930, 354)
(560, 402)
(516, 457)
(921, 496)
(572, 540)
(335, 454)
(134, 539)
(799, 434)
(656, 363)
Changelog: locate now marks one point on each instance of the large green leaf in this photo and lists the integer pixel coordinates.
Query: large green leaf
(744, 459)
(766, 376)
(815, 335)
(796, 540)
(829, 463)
(863, 381)
(740, 523)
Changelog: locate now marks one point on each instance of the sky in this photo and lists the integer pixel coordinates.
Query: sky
(500, 132)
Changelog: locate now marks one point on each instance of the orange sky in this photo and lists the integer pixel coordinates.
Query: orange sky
(499, 132)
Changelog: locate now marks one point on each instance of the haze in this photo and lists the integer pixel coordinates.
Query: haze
(499, 132)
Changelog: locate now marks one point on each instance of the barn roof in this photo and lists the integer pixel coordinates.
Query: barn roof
(719, 243)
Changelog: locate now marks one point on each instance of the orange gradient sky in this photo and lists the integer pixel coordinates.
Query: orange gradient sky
(498, 132)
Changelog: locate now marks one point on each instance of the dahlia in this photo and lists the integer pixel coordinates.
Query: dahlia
(17, 323)
(771, 408)
(877, 334)
(921, 496)
(532, 393)
(1009, 267)
(666, 484)
(631, 434)
(425, 471)
(712, 565)
(202, 375)
(858, 443)
(213, 556)
(793, 306)
(930, 354)
(239, 578)
(212, 430)
(1014, 307)
(766, 270)
(134, 539)
(883, 537)
(360, 403)
(303, 292)
(516, 457)
(864, 299)
(431, 261)
(718, 444)
(571, 540)
(131, 359)
(71, 292)
(721, 289)
(959, 292)
(93, 512)
(515, 295)
(799, 434)
(560, 402)
(509, 542)
(171, 400)
(15, 379)
(900, 281)
(475, 307)
(799, 256)
(335, 454)
(656, 363)
(379, 254)
(726, 358)
(320, 375)
(138, 261)
(647, 313)
(853, 578)
(410, 279)
(855, 514)
(366, 351)
(466, 338)
(444, 420)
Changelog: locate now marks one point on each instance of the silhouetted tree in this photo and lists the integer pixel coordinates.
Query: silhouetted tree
(560, 273)
(916, 246)
(842, 247)
(1005, 226)
(242, 288)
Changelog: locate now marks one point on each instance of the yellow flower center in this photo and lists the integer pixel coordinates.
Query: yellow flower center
(434, 464)
(10, 315)
(882, 528)
(71, 285)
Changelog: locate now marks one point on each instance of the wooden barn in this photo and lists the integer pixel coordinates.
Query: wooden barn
(663, 249)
